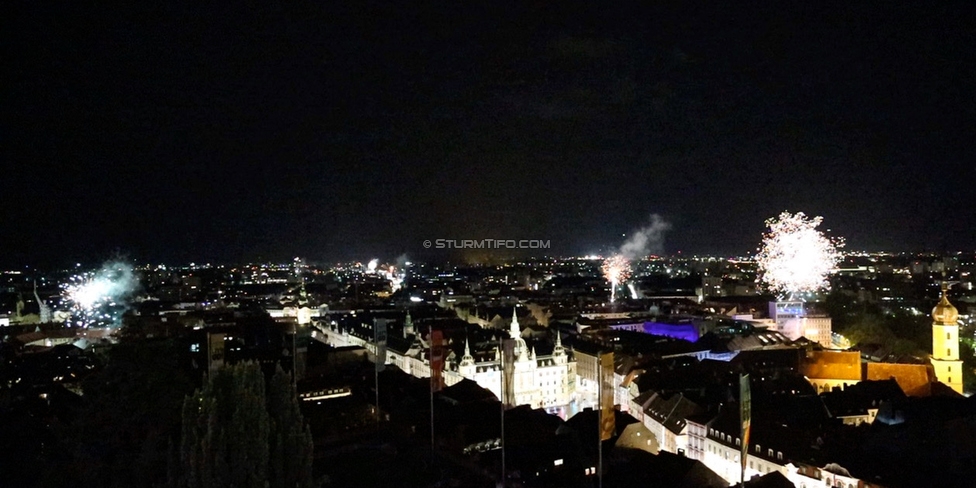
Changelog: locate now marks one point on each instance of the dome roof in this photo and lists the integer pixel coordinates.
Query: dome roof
(944, 313)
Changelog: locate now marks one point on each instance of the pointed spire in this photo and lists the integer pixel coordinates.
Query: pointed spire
(467, 359)
(532, 356)
(302, 294)
(515, 331)
(44, 310)
(558, 350)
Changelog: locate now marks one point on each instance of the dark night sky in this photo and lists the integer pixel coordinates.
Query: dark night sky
(356, 129)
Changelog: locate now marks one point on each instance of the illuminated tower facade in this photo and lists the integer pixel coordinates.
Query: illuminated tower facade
(945, 343)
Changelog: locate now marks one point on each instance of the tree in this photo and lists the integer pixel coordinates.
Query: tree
(131, 411)
(235, 434)
(290, 440)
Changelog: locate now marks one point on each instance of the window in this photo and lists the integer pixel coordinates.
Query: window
(738, 442)
(770, 453)
(758, 449)
(948, 335)
(948, 352)
(779, 455)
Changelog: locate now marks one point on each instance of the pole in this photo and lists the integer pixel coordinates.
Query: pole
(501, 367)
(430, 361)
(599, 421)
(376, 375)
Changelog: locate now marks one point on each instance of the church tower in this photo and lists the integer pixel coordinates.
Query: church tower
(304, 310)
(945, 343)
(45, 310)
(558, 352)
(467, 367)
(408, 326)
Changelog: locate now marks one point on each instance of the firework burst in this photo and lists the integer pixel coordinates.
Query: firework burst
(795, 257)
(98, 297)
(616, 270)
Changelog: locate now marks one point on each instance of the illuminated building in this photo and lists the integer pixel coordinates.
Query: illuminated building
(793, 321)
(540, 381)
(826, 370)
(945, 343)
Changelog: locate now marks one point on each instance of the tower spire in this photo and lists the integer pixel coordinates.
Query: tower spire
(467, 359)
(558, 350)
(515, 331)
(44, 309)
(945, 342)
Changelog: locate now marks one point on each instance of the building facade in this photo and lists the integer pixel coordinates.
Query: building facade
(793, 321)
(945, 343)
(540, 381)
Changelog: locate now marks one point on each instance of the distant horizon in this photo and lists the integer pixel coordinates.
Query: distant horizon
(458, 261)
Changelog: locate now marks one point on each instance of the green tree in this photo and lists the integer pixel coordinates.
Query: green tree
(131, 411)
(290, 439)
(225, 431)
(236, 434)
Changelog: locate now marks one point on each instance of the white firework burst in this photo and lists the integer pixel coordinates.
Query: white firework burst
(616, 270)
(795, 257)
(98, 297)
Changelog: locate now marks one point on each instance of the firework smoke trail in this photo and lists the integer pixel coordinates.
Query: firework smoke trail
(646, 240)
(99, 297)
(616, 270)
(795, 257)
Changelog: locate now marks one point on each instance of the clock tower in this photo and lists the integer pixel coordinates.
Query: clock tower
(945, 343)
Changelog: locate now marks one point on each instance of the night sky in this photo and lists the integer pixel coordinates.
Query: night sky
(337, 130)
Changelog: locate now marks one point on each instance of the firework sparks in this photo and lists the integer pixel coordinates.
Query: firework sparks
(98, 297)
(795, 257)
(395, 277)
(616, 270)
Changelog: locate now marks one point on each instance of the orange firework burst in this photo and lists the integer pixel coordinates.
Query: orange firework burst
(616, 269)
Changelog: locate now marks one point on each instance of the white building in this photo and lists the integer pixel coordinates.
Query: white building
(793, 321)
(540, 381)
